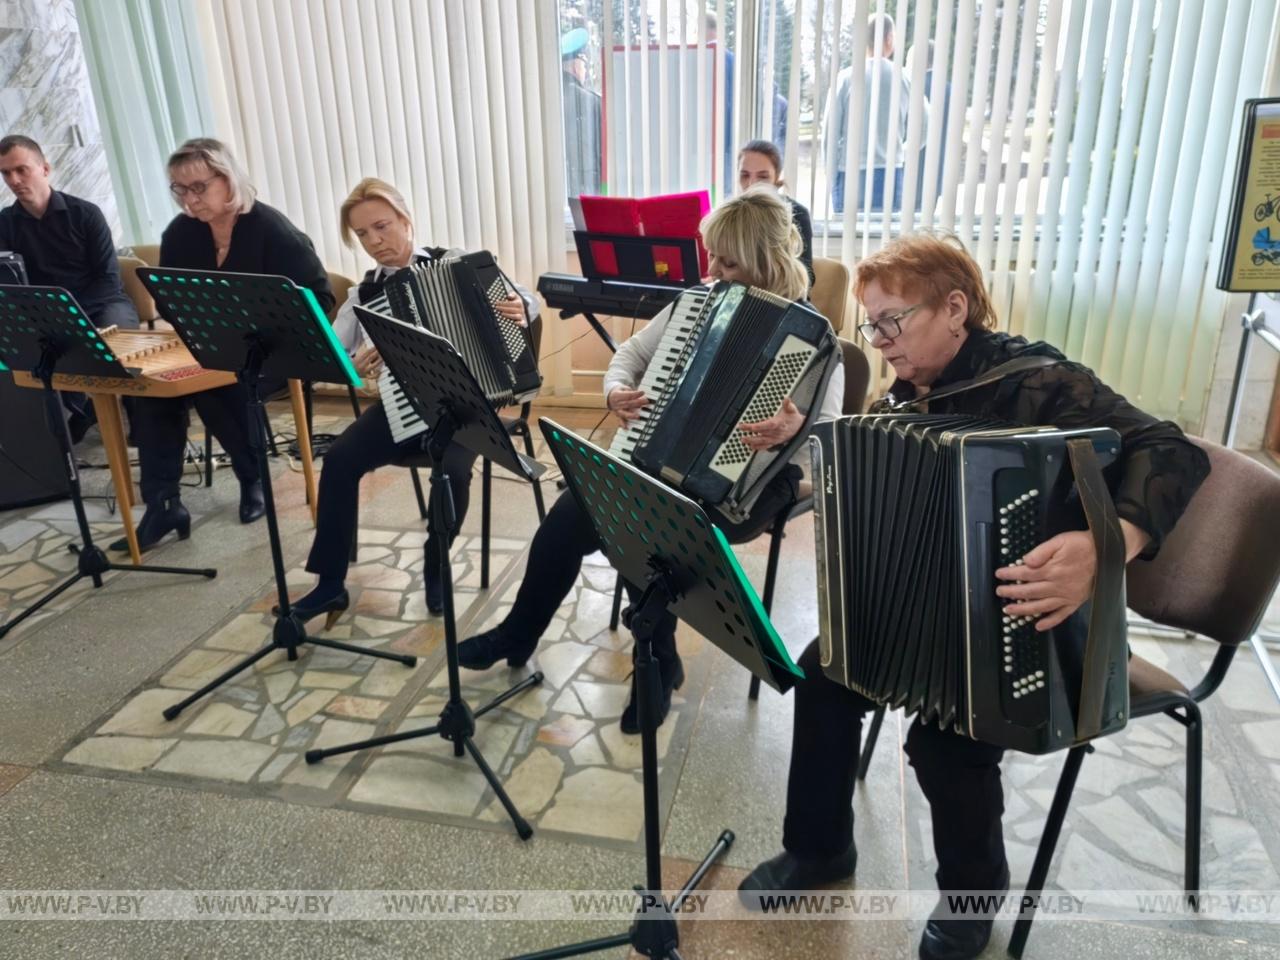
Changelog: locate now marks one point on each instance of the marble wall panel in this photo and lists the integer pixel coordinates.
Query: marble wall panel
(45, 94)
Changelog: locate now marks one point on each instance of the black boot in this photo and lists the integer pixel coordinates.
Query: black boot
(161, 517)
(953, 935)
(671, 676)
(485, 649)
(252, 504)
(786, 871)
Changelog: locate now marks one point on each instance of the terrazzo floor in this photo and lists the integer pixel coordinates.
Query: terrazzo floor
(98, 791)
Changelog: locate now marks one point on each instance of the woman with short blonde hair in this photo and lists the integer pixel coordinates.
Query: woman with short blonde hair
(371, 188)
(376, 215)
(222, 226)
(213, 156)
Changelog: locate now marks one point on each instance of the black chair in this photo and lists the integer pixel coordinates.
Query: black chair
(1215, 576)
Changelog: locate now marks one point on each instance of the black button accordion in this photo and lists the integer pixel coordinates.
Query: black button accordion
(454, 298)
(729, 355)
(914, 514)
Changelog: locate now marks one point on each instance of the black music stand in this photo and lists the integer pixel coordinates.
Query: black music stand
(255, 325)
(44, 330)
(656, 536)
(445, 395)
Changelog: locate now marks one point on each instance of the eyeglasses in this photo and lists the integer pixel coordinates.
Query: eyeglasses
(888, 327)
(198, 188)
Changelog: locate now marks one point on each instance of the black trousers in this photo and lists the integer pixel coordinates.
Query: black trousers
(363, 447)
(567, 536)
(160, 429)
(959, 777)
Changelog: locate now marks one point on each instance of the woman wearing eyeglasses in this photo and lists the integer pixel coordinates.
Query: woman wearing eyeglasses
(931, 319)
(221, 227)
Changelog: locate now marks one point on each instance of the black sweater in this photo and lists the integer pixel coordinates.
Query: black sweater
(262, 241)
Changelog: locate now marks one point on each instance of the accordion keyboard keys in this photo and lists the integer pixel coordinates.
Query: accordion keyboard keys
(1023, 647)
(663, 370)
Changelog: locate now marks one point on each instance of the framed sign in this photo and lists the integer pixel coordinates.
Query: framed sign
(1251, 254)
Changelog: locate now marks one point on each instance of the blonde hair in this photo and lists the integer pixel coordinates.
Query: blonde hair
(755, 229)
(371, 188)
(215, 155)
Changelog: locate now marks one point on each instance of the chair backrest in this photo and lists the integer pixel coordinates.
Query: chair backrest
(857, 375)
(134, 289)
(341, 286)
(832, 293)
(148, 253)
(1216, 572)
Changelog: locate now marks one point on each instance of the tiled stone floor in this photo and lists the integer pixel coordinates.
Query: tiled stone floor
(220, 799)
(558, 747)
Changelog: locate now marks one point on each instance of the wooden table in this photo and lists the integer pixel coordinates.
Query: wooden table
(165, 368)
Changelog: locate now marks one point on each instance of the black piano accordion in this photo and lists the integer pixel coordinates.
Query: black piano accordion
(730, 354)
(914, 514)
(454, 298)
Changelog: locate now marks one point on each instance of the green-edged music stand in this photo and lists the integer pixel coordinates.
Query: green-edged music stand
(445, 394)
(255, 325)
(44, 330)
(657, 537)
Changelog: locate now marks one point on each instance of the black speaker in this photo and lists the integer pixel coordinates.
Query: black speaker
(30, 463)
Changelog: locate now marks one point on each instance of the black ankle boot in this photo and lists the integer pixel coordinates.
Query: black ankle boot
(161, 517)
(252, 504)
(485, 649)
(671, 676)
(951, 936)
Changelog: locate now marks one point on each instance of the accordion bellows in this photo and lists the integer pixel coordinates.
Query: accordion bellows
(914, 514)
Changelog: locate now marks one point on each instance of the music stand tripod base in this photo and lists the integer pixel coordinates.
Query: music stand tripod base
(656, 536)
(44, 330)
(443, 392)
(253, 324)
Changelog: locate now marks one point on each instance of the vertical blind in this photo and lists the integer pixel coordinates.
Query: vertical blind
(1081, 149)
(455, 102)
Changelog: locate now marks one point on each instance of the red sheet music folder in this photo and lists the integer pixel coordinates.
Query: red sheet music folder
(674, 215)
(609, 215)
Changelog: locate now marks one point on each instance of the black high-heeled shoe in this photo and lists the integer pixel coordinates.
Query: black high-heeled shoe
(160, 519)
(309, 607)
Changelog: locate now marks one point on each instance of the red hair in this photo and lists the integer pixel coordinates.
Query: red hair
(929, 267)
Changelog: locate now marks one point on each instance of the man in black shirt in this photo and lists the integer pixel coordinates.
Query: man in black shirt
(64, 242)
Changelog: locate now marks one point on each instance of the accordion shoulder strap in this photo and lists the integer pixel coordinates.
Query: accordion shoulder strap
(1102, 654)
(994, 375)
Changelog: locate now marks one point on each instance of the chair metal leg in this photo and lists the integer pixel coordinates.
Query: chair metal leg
(537, 484)
(869, 744)
(1195, 753)
(1044, 852)
(486, 483)
(616, 613)
(776, 535)
(208, 458)
(417, 492)
(355, 533)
